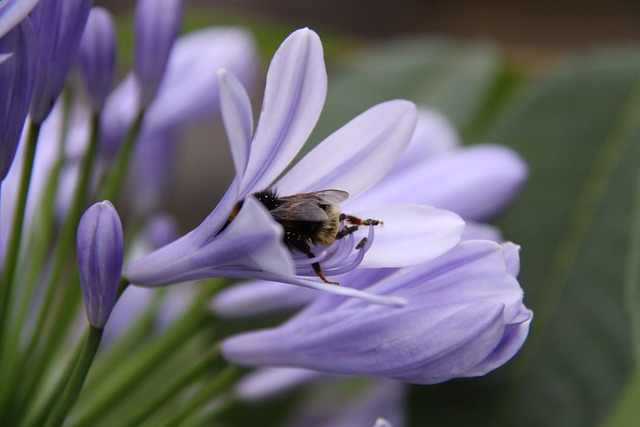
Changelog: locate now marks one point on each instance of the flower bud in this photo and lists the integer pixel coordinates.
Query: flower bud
(156, 28)
(100, 251)
(97, 56)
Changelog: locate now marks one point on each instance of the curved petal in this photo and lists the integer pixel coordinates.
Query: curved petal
(237, 117)
(12, 12)
(251, 242)
(294, 96)
(357, 155)
(410, 235)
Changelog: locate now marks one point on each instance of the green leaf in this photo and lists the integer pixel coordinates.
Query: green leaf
(578, 128)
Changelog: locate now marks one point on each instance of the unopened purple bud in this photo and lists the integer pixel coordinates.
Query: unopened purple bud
(100, 251)
(156, 27)
(59, 24)
(17, 76)
(97, 55)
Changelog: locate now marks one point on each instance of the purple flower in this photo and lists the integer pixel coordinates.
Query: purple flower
(12, 12)
(100, 250)
(17, 76)
(59, 25)
(352, 159)
(97, 56)
(464, 318)
(475, 182)
(156, 27)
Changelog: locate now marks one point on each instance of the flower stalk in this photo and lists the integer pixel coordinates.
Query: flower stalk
(80, 371)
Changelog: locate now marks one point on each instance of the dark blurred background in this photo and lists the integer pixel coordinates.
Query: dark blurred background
(554, 23)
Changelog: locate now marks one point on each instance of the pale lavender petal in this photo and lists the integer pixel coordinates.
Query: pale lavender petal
(156, 26)
(481, 231)
(269, 383)
(17, 75)
(259, 298)
(464, 316)
(512, 257)
(97, 56)
(251, 242)
(513, 338)
(410, 235)
(237, 117)
(294, 96)
(475, 182)
(12, 12)
(357, 155)
(434, 135)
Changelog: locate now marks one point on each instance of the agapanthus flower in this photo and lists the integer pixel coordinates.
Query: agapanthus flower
(464, 317)
(59, 25)
(17, 76)
(352, 159)
(100, 251)
(476, 182)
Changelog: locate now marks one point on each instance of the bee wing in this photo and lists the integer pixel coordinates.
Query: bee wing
(329, 197)
(300, 210)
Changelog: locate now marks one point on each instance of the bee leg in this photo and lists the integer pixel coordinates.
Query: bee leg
(357, 221)
(317, 268)
(304, 247)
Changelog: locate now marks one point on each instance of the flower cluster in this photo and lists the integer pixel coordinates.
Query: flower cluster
(384, 217)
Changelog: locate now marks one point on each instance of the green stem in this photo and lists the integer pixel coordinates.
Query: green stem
(205, 395)
(78, 376)
(198, 370)
(13, 246)
(139, 366)
(61, 252)
(119, 168)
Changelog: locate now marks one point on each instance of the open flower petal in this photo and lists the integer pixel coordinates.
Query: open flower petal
(237, 117)
(251, 242)
(294, 95)
(12, 12)
(464, 316)
(475, 182)
(410, 235)
(358, 154)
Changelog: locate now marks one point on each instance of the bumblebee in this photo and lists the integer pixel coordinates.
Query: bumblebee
(309, 218)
